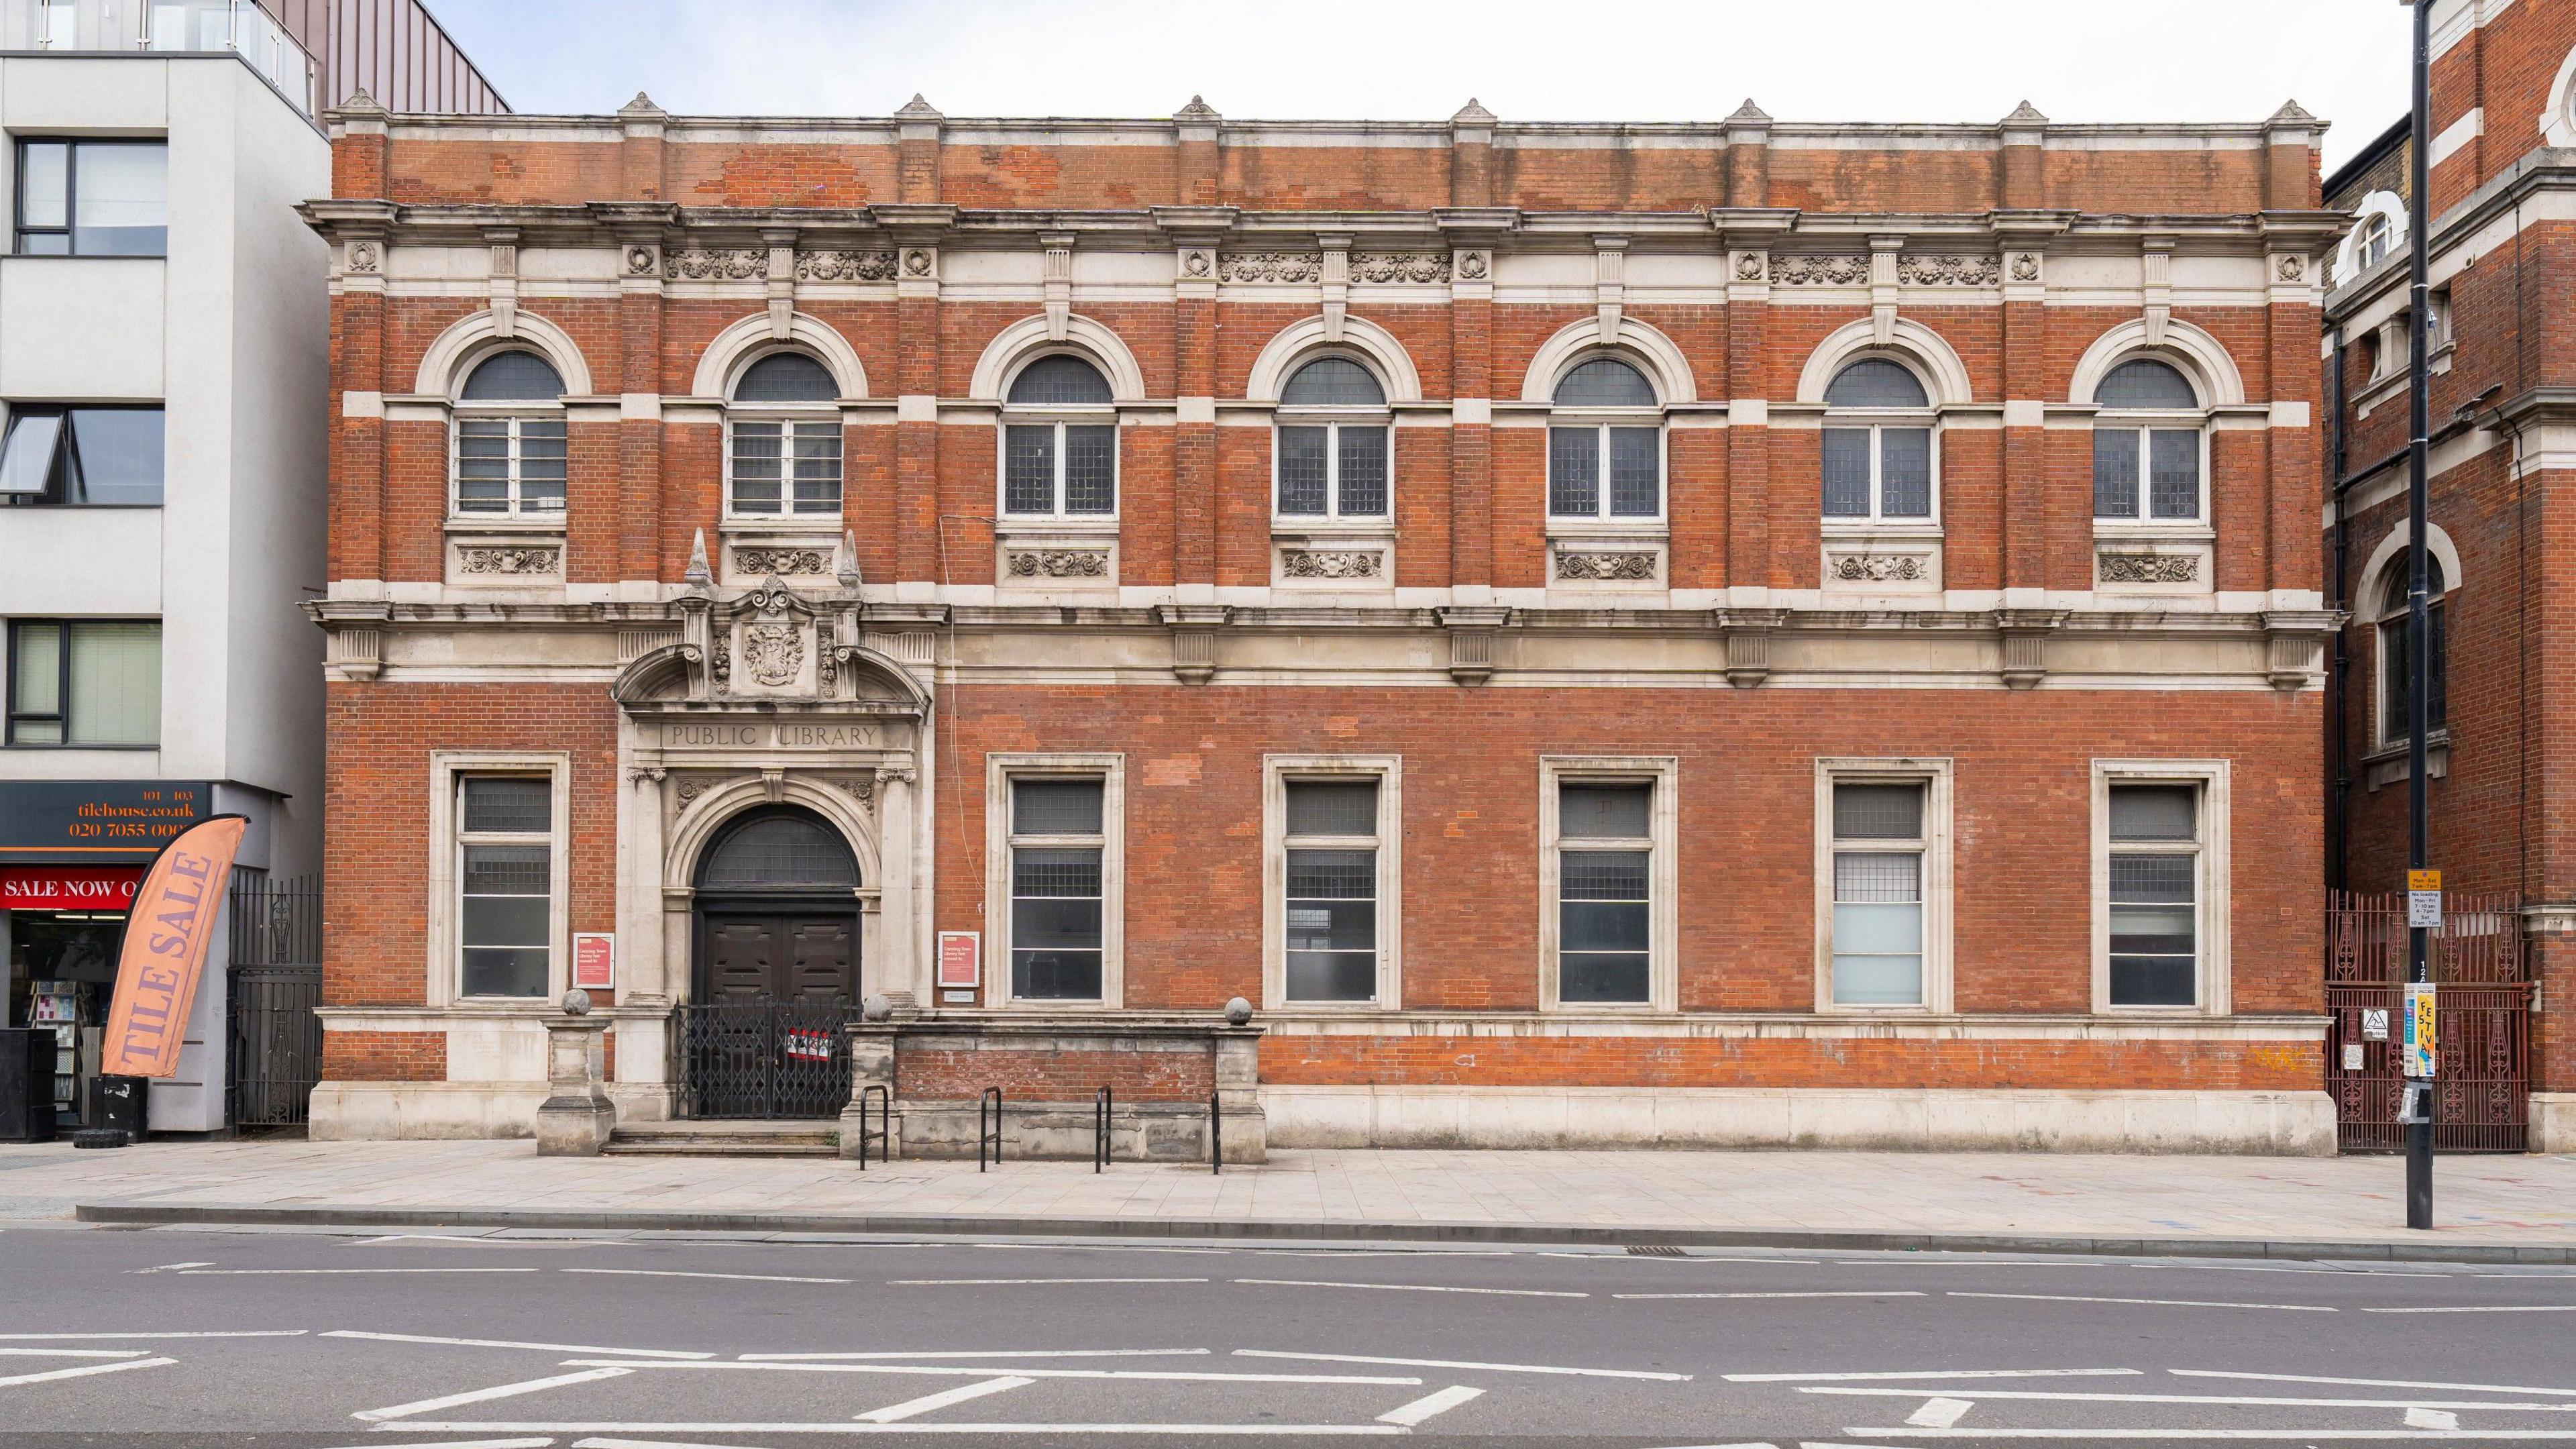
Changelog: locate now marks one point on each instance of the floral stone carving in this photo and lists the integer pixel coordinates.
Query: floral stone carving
(2150, 568)
(702, 264)
(511, 560)
(788, 561)
(1623, 566)
(1270, 267)
(1332, 563)
(1879, 568)
(859, 266)
(1947, 271)
(1814, 271)
(1399, 266)
(1059, 563)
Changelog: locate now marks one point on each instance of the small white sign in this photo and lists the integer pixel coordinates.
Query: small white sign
(2374, 1023)
(2352, 1053)
(2424, 908)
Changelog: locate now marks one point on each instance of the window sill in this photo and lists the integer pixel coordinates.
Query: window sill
(2392, 763)
(77, 745)
(1089, 523)
(1655, 527)
(1907, 530)
(505, 523)
(6, 504)
(783, 522)
(2140, 530)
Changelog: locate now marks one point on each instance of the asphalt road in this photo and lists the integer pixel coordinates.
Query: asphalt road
(162, 1338)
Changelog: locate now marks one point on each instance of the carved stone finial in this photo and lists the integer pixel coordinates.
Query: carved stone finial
(362, 104)
(2290, 114)
(642, 105)
(698, 575)
(1749, 114)
(849, 571)
(2025, 114)
(1197, 110)
(1472, 114)
(918, 109)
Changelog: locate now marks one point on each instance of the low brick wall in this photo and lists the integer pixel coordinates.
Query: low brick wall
(384, 1056)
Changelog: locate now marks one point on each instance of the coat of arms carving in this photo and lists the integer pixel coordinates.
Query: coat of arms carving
(773, 637)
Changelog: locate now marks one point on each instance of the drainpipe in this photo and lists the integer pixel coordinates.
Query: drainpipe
(2338, 757)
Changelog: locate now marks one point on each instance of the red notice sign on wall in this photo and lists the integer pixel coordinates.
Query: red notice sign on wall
(68, 887)
(594, 961)
(961, 960)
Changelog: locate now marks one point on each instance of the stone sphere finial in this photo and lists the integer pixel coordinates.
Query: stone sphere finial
(1238, 1012)
(876, 1008)
(576, 1002)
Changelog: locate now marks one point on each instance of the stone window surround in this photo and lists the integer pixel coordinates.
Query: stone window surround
(444, 966)
(1663, 968)
(1000, 769)
(1276, 772)
(1934, 775)
(2215, 991)
(2386, 761)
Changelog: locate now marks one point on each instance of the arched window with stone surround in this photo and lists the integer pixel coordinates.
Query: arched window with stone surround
(508, 445)
(1059, 441)
(2396, 661)
(783, 439)
(1605, 444)
(2150, 446)
(1879, 450)
(1332, 442)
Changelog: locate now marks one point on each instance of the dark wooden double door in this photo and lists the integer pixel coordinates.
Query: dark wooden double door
(775, 985)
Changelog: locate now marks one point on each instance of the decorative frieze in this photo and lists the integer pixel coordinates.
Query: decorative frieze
(2149, 568)
(1332, 563)
(785, 562)
(845, 266)
(1474, 266)
(1605, 566)
(717, 264)
(1878, 568)
(1936, 271)
(1399, 266)
(1057, 563)
(1820, 271)
(509, 560)
(2025, 266)
(1270, 267)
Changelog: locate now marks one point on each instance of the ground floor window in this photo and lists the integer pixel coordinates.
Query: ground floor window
(1883, 884)
(1332, 827)
(2160, 897)
(1607, 886)
(1056, 836)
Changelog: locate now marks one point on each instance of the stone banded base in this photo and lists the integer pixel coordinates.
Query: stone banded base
(2553, 1122)
(2288, 1124)
(1066, 1131)
(384, 1111)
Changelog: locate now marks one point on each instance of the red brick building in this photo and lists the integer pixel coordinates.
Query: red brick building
(1715, 633)
(2503, 418)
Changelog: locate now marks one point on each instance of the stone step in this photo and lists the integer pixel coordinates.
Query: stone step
(725, 1139)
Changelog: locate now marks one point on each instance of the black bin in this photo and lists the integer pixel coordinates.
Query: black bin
(117, 1102)
(27, 1084)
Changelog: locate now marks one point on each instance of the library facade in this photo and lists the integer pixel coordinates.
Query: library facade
(1747, 632)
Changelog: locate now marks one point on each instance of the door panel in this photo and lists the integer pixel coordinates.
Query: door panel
(763, 1036)
(822, 961)
(743, 958)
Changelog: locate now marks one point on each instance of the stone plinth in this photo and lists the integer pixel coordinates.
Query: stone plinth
(576, 1116)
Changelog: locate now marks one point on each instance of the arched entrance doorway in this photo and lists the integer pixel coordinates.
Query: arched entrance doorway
(776, 968)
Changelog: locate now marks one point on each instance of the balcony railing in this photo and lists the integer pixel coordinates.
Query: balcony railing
(239, 26)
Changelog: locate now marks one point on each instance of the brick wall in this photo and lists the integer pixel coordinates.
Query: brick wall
(384, 1056)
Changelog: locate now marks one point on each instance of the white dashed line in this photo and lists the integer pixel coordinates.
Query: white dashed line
(84, 1371)
(498, 1391)
(1430, 1405)
(1019, 1282)
(2147, 1302)
(327, 1272)
(1944, 1374)
(893, 1413)
(983, 1371)
(972, 1353)
(1850, 1293)
(1940, 1413)
(673, 1273)
(1412, 1288)
(516, 1343)
(2366, 1383)
(73, 1352)
(2487, 1308)
(1451, 1363)
(217, 1333)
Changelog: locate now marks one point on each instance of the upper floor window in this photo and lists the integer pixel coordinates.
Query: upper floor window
(1878, 443)
(784, 455)
(2378, 238)
(2396, 663)
(1059, 441)
(90, 682)
(510, 437)
(2147, 445)
(1332, 452)
(1605, 444)
(80, 455)
(93, 198)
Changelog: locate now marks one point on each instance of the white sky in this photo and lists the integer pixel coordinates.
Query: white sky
(1635, 60)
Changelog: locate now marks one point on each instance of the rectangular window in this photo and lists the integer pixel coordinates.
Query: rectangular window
(1058, 849)
(786, 467)
(505, 848)
(510, 465)
(1878, 894)
(93, 682)
(68, 456)
(1333, 470)
(1331, 899)
(1878, 473)
(1060, 469)
(2159, 467)
(2155, 895)
(1605, 877)
(1305, 472)
(93, 198)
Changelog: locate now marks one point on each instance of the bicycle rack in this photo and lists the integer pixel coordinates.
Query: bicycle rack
(988, 1136)
(884, 1135)
(1100, 1109)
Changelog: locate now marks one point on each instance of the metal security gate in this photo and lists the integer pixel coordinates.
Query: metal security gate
(2481, 1097)
(274, 1052)
(766, 1059)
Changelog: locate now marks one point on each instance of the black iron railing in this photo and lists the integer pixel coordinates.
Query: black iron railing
(766, 1059)
(273, 1039)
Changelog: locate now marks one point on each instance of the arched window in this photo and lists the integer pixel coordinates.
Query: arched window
(1059, 441)
(1332, 445)
(509, 445)
(2378, 238)
(2147, 445)
(1605, 444)
(778, 850)
(783, 455)
(1878, 443)
(2395, 663)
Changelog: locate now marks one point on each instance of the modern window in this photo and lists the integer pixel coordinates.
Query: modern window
(70, 456)
(784, 453)
(510, 438)
(93, 198)
(1605, 444)
(2155, 894)
(1059, 847)
(1607, 887)
(1878, 445)
(94, 682)
(2396, 662)
(1333, 442)
(2147, 445)
(1059, 441)
(505, 861)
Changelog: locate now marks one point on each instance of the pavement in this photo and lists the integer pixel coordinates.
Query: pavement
(2496, 1209)
(323, 1338)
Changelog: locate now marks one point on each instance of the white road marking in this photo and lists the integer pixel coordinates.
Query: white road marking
(498, 1391)
(975, 1354)
(985, 1371)
(167, 1267)
(217, 1333)
(482, 1444)
(1503, 1368)
(1938, 1413)
(2487, 1308)
(2431, 1419)
(927, 1402)
(1850, 1293)
(1392, 1253)
(1414, 1288)
(1099, 1248)
(1965, 1263)
(2228, 1401)
(321, 1272)
(73, 1352)
(2146, 1302)
(1018, 1282)
(674, 1273)
(2302, 1436)
(515, 1343)
(84, 1371)
(1430, 1405)
(1933, 1375)
(2366, 1383)
(2330, 1272)
(751, 1427)
(476, 1241)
